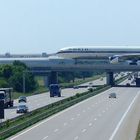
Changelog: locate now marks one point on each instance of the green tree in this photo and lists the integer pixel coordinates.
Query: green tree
(6, 71)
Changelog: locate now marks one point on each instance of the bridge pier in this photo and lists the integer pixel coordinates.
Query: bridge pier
(46, 81)
(110, 79)
(53, 78)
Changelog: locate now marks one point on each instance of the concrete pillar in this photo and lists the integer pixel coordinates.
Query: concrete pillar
(110, 79)
(53, 77)
(46, 81)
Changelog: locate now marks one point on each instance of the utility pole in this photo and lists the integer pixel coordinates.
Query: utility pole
(24, 85)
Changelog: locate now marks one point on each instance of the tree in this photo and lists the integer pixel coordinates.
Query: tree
(7, 71)
(12, 75)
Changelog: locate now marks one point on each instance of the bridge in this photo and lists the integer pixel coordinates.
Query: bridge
(51, 65)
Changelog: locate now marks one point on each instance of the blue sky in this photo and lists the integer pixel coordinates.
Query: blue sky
(36, 26)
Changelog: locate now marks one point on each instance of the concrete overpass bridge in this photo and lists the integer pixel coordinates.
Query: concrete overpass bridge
(50, 66)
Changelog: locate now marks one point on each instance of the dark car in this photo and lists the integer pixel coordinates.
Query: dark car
(128, 84)
(22, 99)
(22, 109)
(75, 87)
(112, 95)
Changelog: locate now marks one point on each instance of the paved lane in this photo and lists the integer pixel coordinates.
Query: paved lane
(93, 119)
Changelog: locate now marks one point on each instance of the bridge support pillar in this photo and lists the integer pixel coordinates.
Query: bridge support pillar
(46, 81)
(53, 78)
(110, 79)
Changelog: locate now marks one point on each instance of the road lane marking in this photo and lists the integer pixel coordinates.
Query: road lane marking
(84, 130)
(84, 111)
(65, 124)
(45, 137)
(55, 130)
(76, 138)
(54, 116)
(72, 119)
(90, 124)
(78, 114)
(12, 112)
(123, 117)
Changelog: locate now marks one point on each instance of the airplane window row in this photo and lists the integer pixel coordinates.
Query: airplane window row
(79, 49)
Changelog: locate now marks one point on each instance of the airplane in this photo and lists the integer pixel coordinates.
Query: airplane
(113, 53)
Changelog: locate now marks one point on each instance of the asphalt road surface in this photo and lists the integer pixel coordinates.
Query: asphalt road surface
(37, 101)
(40, 100)
(97, 118)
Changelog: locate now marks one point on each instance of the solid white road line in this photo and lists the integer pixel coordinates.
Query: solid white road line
(123, 117)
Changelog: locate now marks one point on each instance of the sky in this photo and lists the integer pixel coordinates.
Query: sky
(36, 26)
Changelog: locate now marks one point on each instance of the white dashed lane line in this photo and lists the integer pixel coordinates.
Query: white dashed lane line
(84, 130)
(72, 119)
(90, 124)
(65, 124)
(76, 138)
(45, 137)
(55, 130)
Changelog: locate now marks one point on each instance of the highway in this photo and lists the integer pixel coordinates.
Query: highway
(97, 118)
(40, 100)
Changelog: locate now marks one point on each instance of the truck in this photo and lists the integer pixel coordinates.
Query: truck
(55, 90)
(6, 96)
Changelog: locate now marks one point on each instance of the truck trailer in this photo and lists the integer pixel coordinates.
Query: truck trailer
(6, 96)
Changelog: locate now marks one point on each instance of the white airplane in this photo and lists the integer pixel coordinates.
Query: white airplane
(113, 53)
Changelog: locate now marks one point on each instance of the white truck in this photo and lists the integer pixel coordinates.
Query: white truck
(6, 96)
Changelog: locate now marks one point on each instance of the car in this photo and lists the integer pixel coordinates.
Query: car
(112, 95)
(22, 109)
(75, 87)
(90, 83)
(22, 99)
(90, 88)
(128, 84)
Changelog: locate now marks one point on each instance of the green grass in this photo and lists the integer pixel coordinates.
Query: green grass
(138, 133)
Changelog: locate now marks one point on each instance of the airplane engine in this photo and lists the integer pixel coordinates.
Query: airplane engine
(114, 59)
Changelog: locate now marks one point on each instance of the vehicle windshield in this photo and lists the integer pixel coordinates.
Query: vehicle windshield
(55, 87)
(1, 96)
(22, 97)
(22, 106)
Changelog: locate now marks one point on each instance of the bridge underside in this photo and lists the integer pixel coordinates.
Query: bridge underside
(101, 68)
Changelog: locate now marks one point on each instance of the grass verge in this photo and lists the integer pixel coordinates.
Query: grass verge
(138, 133)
